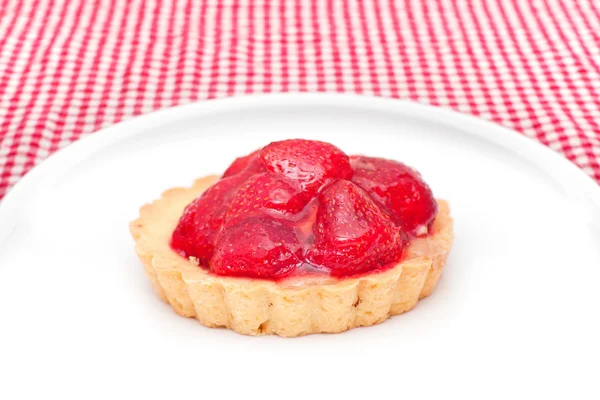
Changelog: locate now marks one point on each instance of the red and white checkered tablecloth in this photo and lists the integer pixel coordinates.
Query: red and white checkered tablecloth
(71, 67)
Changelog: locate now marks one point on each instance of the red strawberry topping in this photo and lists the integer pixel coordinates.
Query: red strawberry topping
(264, 193)
(307, 161)
(399, 189)
(352, 233)
(301, 206)
(260, 247)
(202, 220)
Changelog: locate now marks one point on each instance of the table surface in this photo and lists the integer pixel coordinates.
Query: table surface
(71, 67)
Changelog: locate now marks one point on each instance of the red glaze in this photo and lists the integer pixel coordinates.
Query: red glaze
(266, 192)
(202, 219)
(352, 234)
(257, 247)
(399, 189)
(309, 162)
(298, 205)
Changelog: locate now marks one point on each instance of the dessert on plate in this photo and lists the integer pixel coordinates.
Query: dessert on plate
(296, 238)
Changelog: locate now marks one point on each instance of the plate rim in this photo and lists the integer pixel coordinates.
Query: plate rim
(16, 198)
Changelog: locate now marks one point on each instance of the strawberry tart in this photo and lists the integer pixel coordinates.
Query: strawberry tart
(296, 238)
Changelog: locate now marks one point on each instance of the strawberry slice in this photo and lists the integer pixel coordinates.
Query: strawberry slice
(266, 193)
(203, 218)
(309, 162)
(250, 163)
(352, 233)
(399, 189)
(258, 247)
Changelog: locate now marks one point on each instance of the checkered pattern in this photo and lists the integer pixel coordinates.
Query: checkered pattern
(71, 67)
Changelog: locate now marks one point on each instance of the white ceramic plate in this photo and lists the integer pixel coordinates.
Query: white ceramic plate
(516, 311)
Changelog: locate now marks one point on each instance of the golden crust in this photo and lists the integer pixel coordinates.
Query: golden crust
(291, 307)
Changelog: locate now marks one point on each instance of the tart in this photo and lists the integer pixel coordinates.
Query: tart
(296, 238)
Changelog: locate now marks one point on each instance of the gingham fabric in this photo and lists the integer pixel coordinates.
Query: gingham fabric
(71, 67)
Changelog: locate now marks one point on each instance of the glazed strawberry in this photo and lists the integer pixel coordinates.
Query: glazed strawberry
(266, 192)
(309, 162)
(352, 233)
(250, 163)
(258, 247)
(399, 189)
(203, 218)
